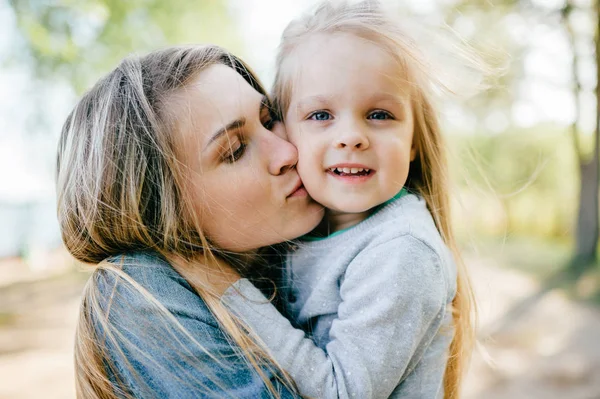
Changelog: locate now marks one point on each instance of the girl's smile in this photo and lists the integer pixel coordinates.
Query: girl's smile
(351, 173)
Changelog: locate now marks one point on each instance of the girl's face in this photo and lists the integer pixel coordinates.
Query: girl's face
(351, 120)
(243, 181)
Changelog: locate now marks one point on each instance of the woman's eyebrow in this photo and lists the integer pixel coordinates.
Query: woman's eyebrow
(236, 124)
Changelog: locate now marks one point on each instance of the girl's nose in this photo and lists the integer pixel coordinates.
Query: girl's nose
(352, 140)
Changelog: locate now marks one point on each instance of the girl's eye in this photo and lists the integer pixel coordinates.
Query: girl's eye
(320, 116)
(234, 155)
(380, 115)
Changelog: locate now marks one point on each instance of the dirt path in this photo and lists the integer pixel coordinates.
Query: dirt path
(38, 311)
(553, 352)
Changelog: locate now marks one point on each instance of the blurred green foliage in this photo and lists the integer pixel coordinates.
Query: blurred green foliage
(81, 40)
(522, 182)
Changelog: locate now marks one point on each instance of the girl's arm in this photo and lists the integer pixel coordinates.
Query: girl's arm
(180, 353)
(394, 300)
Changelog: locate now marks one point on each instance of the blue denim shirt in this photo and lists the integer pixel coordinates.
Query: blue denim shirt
(153, 358)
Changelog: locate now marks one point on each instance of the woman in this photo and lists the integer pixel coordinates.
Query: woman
(169, 180)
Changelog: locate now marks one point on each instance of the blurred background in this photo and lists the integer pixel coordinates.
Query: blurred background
(524, 156)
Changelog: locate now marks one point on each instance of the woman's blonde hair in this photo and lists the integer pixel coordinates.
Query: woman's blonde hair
(120, 189)
(428, 174)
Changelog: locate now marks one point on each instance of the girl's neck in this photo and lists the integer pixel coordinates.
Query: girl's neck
(336, 221)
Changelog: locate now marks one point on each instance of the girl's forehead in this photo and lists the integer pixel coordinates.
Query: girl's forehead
(343, 52)
(341, 61)
(338, 45)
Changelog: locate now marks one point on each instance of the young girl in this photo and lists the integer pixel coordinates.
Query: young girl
(376, 286)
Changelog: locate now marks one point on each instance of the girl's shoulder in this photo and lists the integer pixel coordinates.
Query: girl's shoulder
(408, 220)
(408, 215)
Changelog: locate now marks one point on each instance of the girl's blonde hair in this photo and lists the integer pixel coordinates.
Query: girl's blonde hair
(428, 174)
(120, 189)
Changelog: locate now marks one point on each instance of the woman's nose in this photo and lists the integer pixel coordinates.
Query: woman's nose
(282, 154)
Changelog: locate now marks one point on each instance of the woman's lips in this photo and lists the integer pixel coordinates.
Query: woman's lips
(298, 190)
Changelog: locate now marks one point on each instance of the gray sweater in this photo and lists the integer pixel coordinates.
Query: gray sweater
(372, 307)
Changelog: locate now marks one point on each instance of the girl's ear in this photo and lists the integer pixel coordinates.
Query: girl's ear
(413, 151)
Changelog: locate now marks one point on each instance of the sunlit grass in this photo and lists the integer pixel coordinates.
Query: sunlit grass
(535, 256)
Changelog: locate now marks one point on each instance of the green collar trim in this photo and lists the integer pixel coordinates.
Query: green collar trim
(309, 237)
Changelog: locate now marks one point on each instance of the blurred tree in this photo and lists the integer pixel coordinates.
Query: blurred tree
(587, 218)
(485, 13)
(80, 40)
(490, 27)
(531, 173)
(559, 16)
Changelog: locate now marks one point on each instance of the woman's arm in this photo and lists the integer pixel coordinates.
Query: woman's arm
(159, 338)
(393, 303)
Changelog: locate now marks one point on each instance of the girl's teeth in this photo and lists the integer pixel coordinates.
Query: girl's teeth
(350, 170)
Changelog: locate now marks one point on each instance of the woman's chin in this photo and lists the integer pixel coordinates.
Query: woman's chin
(313, 217)
(305, 221)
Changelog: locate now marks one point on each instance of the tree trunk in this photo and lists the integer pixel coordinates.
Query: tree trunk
(587, 219)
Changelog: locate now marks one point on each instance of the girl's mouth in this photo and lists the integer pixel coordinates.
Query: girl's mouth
(351, 172)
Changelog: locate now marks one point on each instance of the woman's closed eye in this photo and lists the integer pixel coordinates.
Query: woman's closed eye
(234, 152)
(380, 115)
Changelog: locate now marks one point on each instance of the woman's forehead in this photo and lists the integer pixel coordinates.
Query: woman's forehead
(219, 85)
(214, 98)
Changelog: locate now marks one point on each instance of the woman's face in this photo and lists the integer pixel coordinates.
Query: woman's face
(243, 181)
